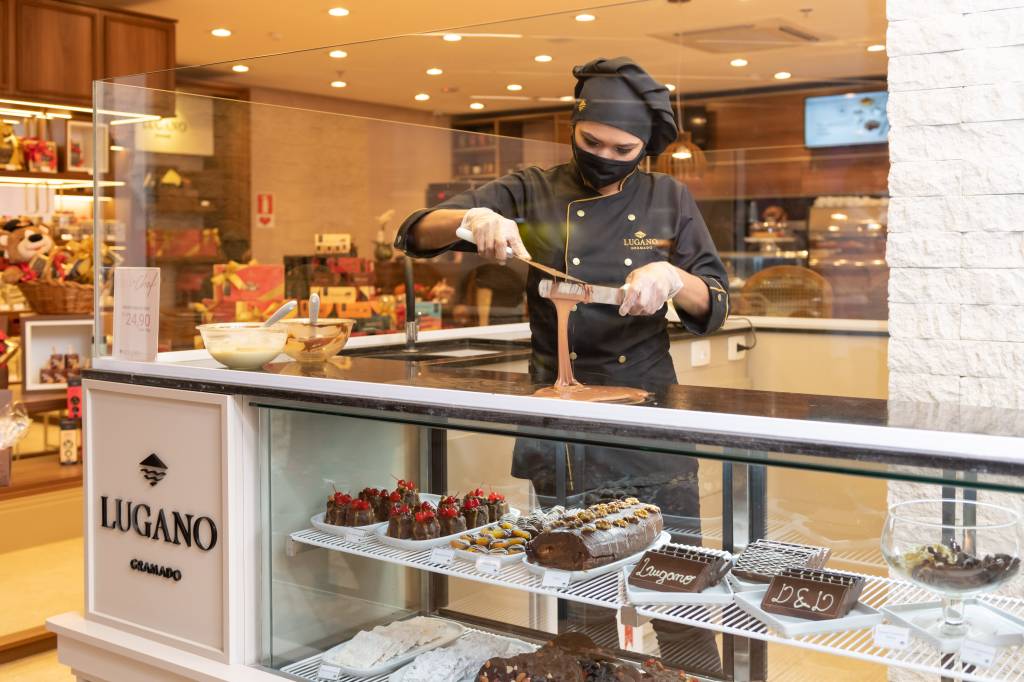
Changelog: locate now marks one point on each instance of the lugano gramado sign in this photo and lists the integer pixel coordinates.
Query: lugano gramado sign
(172, 527)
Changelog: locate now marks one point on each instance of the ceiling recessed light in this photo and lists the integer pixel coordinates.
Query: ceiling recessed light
(738, 62)
(876, 48)
(338, 12)
(422, 97)
(783, 75)
(434, 71)
(682, 155)
(337, 54)
(476, 105)
(838, 216)
(451, 37)
(566, 98)
(239, 68)
(585, 17)
(338, 84)
(671, 87)
(221, 32)
(513, 87)
(542, 58)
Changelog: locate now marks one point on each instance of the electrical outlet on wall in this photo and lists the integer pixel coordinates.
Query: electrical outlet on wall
(734, 343)
(700, 353)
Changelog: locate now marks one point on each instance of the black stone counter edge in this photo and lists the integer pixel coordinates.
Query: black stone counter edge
(613, 434)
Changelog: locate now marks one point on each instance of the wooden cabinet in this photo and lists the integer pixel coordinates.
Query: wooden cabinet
(134, 45)
(52, 51)
(55, 49)
(7, 49)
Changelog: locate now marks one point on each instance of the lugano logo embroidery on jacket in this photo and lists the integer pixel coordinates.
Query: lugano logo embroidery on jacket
(641, 242)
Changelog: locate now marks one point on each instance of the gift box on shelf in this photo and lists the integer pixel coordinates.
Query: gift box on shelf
(302, 273)
(247, 282)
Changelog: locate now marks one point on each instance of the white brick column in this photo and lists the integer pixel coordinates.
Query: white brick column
(956, 217)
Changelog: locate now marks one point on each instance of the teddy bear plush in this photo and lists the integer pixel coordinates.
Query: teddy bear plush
(27, 246)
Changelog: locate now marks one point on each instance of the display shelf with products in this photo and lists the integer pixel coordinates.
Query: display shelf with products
(608, 591)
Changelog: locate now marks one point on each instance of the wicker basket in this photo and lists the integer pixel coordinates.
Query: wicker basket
(48, 297)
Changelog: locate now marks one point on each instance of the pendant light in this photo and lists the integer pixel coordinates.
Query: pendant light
(682, 159)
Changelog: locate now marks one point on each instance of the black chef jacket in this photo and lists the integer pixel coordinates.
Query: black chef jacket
(599, 239)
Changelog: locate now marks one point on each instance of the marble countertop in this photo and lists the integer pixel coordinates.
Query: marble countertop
(980, 440)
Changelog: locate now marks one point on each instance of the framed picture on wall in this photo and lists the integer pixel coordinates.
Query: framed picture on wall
(79, 147)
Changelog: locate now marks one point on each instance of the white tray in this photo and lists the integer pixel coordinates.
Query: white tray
(720, 594)
(986, 624)
(860, 616)
(740, 585)
(351, 532)
(578, 576)
(342, 531)
(414, 545)
(399, 675)
(455, 631)
(503, 559)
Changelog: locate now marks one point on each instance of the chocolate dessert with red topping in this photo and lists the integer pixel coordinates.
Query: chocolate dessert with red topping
(359, 513)
(381, 505)
(337, 508)
(410, 494)
(400, 521)
(497, 507)
(474, 513)
(426, 526)
(451, 520)
(477, 495)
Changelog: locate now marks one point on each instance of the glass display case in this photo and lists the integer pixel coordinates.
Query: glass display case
(324, 584)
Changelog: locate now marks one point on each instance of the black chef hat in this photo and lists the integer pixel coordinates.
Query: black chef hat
(619, 93)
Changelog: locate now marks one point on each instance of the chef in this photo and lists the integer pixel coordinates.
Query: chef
(604, 220)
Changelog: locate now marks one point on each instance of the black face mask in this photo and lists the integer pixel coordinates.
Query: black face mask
(600, 172)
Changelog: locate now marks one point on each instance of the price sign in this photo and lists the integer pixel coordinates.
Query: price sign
(892, 637)
(441, 556)
(328, 672)
(555, 578)
(488, 565)
(136, 313)
(975, 653)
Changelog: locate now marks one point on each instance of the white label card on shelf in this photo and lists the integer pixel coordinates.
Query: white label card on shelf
(556, 578)
(488, 565)
(441, 556)
(976, 653)
(328, 672)
(892, 637)
(354, 535)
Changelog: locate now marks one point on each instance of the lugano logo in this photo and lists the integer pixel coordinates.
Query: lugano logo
(581, 105)
(153, 469)
(641, 242)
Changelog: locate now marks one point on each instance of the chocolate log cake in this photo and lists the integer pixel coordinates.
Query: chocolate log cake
(598, 535)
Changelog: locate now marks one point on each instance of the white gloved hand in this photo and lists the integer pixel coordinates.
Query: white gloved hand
(493, 233)
(648, 287)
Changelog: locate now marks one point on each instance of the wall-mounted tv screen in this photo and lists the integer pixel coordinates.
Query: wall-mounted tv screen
(844, 120)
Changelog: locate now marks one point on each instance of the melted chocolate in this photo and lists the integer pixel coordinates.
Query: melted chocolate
(566, 386)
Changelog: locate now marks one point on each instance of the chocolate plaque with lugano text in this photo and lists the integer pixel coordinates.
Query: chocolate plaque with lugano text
(812, 594)
(678, 569)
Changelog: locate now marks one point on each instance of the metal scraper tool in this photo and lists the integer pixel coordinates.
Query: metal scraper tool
(466, 234)
(586, 293)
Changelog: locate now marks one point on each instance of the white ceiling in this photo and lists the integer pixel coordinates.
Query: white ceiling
(478, 68)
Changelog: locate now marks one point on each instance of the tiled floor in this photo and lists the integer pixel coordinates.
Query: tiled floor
(42, 667)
